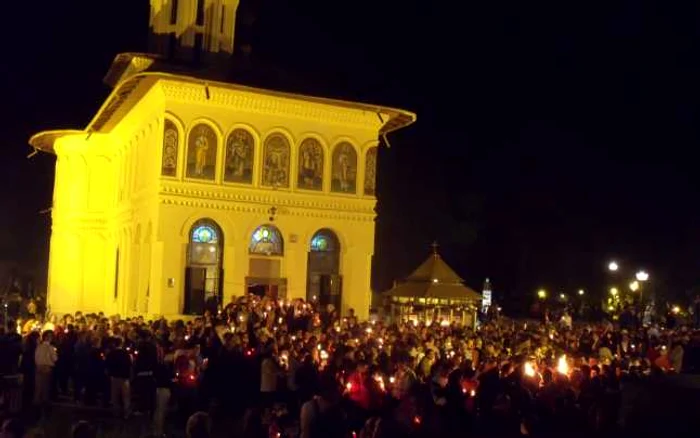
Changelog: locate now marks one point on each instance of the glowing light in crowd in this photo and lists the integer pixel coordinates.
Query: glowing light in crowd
(642, 276)
(324, 355)
(612, 266)
(581, 292)
(542, 294)
(348, 386)
(563, 366)
(613, 291)
(529, 369)
(392, 379)
(634, 286)
(444, 323)
(676, 309)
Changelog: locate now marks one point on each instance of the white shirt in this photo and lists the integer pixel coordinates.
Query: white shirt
(45, 355)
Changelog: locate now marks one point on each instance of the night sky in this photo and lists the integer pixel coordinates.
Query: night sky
(550, 136)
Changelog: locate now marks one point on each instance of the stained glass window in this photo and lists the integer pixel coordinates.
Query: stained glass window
(324, 240)
(204, 234)
(267, 240)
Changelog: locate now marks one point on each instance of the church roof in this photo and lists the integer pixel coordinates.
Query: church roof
(435, 270)
(133, 74)
(434, 279)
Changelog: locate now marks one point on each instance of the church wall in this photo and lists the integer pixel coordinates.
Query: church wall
(238, 208)
(237, 223)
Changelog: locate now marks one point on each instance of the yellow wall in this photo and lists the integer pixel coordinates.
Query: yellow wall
(109, 195)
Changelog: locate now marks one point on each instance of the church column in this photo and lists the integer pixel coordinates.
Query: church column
(296, 261)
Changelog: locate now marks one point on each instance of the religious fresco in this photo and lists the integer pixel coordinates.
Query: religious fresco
(171, 138)
(276, 161)
(240, 155)
(371, 171)
(201, 153)
(310, 175)
(344, 169)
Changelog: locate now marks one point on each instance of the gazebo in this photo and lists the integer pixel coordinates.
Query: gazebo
(433, 293)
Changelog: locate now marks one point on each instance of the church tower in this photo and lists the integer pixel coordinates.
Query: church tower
(193, 31)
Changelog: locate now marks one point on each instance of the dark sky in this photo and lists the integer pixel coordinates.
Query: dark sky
(551, 136)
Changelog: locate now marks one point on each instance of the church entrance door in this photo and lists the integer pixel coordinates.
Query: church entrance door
(324, 282)
(203, 275)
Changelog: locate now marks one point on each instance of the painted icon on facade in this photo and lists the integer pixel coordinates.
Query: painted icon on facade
(371, 172)
(201, 153)
(276, 161)
(310, 165)
(344, 169)
(240, 155)
(171, 138)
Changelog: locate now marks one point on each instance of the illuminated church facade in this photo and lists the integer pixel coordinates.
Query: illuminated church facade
(184, 191)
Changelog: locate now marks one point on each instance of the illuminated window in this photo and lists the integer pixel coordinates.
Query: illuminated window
(324, 241)
(267, 240)
(204, 234)
(205, 244)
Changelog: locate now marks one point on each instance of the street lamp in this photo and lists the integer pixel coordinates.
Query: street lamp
(562, 297)
(634, 286)
(542, 294)
(612, 266)
(641, 276)
(581, 292)
(613, 291)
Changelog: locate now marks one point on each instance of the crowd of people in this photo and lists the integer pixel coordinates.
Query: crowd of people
(297, 369)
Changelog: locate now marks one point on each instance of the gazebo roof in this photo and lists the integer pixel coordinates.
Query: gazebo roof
(434, 279)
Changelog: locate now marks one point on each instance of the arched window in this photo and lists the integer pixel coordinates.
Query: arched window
(324, 241)
(267, 240)
(205, 243)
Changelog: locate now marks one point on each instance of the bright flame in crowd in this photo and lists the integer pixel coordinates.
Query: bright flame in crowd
(563, 366)
(529, 369)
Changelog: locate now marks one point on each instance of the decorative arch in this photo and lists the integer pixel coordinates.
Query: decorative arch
(202, 146)
(310, 169)
(171, 147)
(266, 240)
(370, 186)
(276, 161)
(325, 240)
(239, 161)
(344, 168)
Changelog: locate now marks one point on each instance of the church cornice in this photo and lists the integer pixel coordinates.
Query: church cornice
(350, 209)
(258, 103)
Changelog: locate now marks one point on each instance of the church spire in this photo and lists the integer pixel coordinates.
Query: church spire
(197, 31)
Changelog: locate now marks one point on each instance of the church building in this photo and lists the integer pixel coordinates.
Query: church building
(185, 190)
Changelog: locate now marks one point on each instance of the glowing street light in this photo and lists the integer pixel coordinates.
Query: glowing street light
(542, 294)
(613, 266)
(613, 291)
(642, 276)
(581, 292)
(634, 286)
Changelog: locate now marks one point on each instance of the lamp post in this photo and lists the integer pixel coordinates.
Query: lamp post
(641, 276)
(613, 266)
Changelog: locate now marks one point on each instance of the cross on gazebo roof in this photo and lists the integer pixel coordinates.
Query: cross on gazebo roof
(435, 246)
